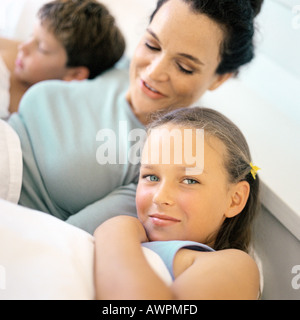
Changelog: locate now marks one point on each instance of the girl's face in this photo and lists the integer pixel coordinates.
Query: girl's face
(176, 204)
(42, 57)
(176, 60)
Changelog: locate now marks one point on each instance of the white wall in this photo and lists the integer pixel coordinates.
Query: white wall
(275, 72)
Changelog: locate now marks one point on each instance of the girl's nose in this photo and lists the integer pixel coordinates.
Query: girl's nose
(164, 195)
(157, 70)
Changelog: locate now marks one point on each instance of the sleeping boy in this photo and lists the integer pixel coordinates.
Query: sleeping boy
(72, 40)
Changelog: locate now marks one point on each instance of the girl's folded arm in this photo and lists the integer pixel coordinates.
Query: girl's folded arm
(222, 275)
(121, 269)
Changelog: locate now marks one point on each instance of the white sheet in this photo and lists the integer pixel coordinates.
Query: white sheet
(4, 89)
(10, 164)
(44, 258)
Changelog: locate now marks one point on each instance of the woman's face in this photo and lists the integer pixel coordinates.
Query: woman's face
(176, 60)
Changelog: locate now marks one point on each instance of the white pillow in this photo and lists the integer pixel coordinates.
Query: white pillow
(42, 257)
(10, 164)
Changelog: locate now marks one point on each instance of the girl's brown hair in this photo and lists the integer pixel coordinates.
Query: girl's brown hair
(235, 232)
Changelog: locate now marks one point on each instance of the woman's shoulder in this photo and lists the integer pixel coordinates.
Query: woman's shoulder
(224, 274)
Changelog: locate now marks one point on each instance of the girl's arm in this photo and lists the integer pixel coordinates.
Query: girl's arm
(121, 269)
(221, 275)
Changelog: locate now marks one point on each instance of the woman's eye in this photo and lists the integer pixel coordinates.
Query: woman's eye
(190, 181)
(184, 70)
(151, 47)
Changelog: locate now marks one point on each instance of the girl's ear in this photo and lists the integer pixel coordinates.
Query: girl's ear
(239, 196)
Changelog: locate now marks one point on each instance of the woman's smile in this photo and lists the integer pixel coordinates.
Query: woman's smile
(150, 91)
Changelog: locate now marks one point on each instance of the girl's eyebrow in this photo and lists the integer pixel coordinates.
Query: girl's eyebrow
(185, 55)
(146, 166)
(181, 168)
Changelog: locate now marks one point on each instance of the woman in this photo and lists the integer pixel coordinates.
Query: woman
(76, 137)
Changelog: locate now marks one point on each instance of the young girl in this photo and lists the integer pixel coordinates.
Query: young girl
(196, 215)
(72, 40)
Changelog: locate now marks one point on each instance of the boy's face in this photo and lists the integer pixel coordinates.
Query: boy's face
(42, 57)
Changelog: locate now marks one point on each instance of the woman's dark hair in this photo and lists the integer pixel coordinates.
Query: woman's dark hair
(235, 233)
(236, 17)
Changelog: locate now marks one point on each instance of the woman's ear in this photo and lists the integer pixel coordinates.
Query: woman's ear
(220, 79)
(76, 73)
(239, 196)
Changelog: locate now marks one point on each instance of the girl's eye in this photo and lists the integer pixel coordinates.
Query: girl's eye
(152, 178)
(190, 181)
(184, 70)
(151, 47)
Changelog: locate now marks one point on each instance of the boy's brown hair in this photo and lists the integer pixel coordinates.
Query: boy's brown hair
(87, 31)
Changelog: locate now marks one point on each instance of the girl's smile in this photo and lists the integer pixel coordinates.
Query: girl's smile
(163, 220)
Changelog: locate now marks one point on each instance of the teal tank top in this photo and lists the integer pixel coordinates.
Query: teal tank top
(168, 249)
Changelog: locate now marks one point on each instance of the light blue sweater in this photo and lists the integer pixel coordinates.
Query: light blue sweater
(60, 126)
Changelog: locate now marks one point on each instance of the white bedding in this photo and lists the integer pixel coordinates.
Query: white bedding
(42, 257)
(10, 164)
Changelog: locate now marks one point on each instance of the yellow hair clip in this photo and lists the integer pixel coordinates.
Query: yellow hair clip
(254, 170)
